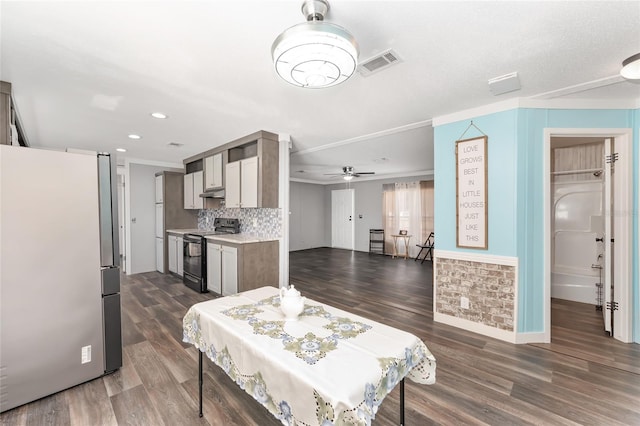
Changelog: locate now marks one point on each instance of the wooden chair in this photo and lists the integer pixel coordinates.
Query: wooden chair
(428, 245)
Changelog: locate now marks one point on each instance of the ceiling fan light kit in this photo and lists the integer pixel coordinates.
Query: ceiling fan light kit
(631, 67)
(315, 54)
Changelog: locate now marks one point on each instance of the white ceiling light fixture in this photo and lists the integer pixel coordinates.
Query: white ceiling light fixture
(159, 115)
(121, 150)
(315, 54)
(134, 136)
(631, 67)
(347, 177)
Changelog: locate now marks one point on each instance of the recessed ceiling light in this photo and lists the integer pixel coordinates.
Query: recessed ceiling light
(159, 115)
(134, 136)
(121, 150)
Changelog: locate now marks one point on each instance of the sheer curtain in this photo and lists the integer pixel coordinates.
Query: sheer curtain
(402, 208)
(426, 198)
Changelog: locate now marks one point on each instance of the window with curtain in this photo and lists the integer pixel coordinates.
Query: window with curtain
(407, 206)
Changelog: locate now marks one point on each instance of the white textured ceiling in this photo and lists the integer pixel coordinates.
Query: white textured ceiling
(86, 74)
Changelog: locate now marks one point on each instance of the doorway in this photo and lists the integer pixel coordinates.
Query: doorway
(342, 212)
(587, 204)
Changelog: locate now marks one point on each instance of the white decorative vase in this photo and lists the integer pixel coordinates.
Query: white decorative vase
(291, 303)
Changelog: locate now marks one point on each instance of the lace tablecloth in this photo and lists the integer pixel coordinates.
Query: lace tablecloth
(329, 367)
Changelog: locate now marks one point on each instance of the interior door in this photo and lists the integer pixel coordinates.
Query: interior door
(342, 226)
(608, 237)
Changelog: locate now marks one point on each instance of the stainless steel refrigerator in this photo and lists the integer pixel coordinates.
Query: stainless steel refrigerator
(59, 272)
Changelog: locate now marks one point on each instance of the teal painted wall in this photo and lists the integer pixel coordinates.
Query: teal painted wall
(515, 204)
(501, 162)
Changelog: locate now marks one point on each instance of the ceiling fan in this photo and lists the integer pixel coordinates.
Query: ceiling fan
(349, 173)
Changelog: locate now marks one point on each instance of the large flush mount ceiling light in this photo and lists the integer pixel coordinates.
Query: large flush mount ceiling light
(631, 67)
(315, 54)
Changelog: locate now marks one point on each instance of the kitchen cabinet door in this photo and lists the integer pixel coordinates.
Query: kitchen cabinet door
(214, 268)
(173, 254)
(159, 198)
(159, 220)
(213, 172)
(232, 189)
(249, 182)
(180, 255)
(188, 191)
(198, 185)
(160, 255)
(229, 270)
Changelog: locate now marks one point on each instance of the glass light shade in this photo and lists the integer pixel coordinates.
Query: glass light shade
(347, 177)
(315, 54)
(631, 67)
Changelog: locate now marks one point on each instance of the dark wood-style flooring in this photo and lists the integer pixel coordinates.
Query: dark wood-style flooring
(582, 377)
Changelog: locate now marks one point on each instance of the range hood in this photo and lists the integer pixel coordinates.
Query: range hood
(218, 193)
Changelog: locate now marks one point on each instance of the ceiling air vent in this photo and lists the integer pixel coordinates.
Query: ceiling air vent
(379, 62)
(175, 144)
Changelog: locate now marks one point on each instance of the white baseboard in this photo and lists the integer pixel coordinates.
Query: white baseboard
(475, 327)
(540, 337)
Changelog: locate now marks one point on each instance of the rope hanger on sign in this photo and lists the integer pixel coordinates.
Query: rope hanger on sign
(467, 129)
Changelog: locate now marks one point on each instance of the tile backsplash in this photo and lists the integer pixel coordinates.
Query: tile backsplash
(262, 222)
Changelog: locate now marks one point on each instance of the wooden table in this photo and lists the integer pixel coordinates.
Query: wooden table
(406, 239)
(329, 365)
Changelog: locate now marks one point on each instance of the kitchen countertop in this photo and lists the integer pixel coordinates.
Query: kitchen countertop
(181, 231)
(240, 238)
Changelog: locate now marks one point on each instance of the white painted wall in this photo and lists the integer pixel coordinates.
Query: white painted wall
(307, 222)
(142, 217)
(310, 204)
(368, 204)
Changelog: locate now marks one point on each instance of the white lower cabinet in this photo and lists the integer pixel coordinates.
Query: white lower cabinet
(160, 255)
(222, 269)
(176, 258)
(180, 254)
(214, 268)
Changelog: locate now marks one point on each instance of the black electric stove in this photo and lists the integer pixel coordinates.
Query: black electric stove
(195, 252)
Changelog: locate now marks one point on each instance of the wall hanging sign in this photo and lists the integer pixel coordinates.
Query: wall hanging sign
(471, 192)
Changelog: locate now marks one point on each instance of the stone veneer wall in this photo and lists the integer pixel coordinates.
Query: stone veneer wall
(490, 288)
(262, 222)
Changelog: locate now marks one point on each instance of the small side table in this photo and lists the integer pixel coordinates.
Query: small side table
(406, 239)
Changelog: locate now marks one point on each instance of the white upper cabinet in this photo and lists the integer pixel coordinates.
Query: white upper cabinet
(193, 187)
(213, 172)
(198, 186)
(188, 191)
(249, 182)
(159, 189)
(232, 189)
(242, 183)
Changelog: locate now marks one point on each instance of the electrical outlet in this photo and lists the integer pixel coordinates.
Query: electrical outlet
(86, 354)
(464, 302)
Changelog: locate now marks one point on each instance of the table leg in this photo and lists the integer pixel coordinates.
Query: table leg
(200, 379)
(402, 402)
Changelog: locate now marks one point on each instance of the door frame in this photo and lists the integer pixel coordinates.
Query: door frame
(623, 224)
(351, 192)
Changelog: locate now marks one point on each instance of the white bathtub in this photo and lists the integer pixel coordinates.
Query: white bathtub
(577, 223)
(579, 288)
